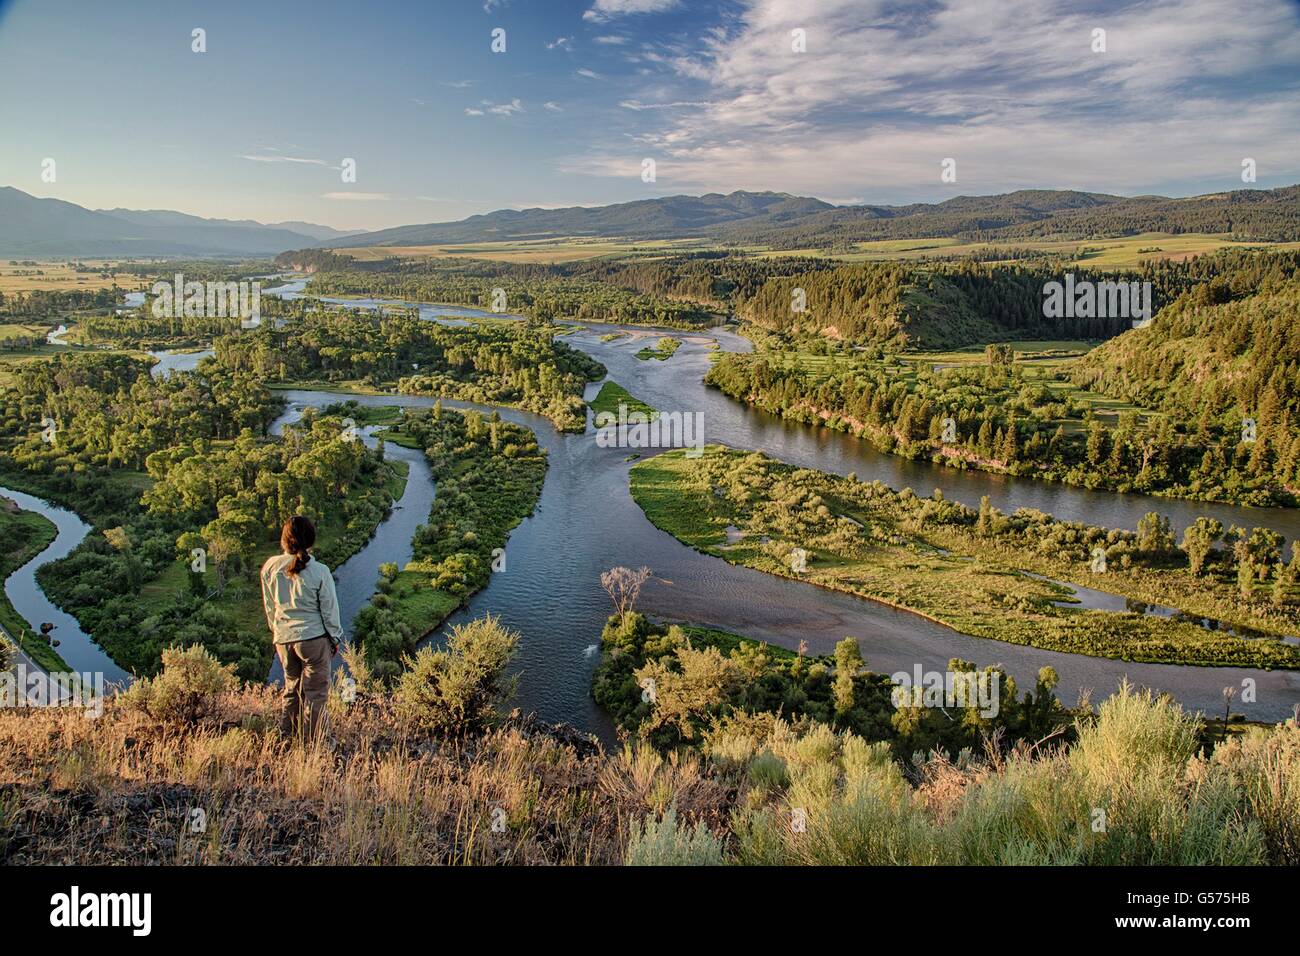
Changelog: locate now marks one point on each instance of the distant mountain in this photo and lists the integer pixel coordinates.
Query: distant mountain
(51, 227)
(668, 217)
(786, 221)
(323, 233)
(1262, 214)
(167, 218)
(961, 216)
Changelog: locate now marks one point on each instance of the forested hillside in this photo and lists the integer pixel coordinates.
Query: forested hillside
(898, 305)
(1226, 353)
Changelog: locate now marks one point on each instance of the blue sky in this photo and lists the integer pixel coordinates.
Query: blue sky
(441, 127)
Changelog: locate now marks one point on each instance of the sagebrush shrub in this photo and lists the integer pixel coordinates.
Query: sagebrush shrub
(663, 843)
(455, 690)
(188, 688)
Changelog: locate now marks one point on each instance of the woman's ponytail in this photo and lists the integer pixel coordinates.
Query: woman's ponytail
(296, 537)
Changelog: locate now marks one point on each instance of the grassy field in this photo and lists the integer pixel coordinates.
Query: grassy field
(418, 606)
(1039, 362)
(661, 351)
(858, 540)
(546, 251)
(27, 330)
(1030, 350)
(52, 276)
(728, 641)
(25, 534)
(613, 394)
(13, 354)
(366, 415)
(354, 385)
(1123, 252)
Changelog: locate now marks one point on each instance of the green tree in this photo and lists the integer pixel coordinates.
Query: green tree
(848, 661)
(1198, 542)
(1154, 534)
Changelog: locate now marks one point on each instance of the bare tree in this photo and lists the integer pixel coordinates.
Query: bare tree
(623, 585)
(1229, 694)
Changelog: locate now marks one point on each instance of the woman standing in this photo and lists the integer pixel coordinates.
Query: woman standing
(302, 611)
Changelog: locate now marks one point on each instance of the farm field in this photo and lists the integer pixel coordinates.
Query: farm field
(32, 275)
(544, 251)
(1114, 253)
(1125, 252)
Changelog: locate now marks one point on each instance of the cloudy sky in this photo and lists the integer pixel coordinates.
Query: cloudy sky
(847, 100)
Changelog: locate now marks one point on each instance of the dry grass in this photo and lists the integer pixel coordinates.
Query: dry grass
(60, 276)
(123, 789)
(548, 251)
(1124, 252)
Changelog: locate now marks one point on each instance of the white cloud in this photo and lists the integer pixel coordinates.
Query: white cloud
(611, 40)
(496, 109)
(1010, 88)
(285, 159)
(678, 104)
(589, 74)
(607, 9)
(553, 106)
(559, 42)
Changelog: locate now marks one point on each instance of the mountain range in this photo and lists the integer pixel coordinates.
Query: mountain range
(35, 227)
(668, 217)
(785, 221)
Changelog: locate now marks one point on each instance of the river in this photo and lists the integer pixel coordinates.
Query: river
(75, 646)
(586, 522)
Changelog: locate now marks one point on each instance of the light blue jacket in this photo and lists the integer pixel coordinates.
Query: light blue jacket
(300, 606)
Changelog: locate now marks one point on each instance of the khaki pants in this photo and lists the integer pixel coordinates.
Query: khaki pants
(306, 686)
